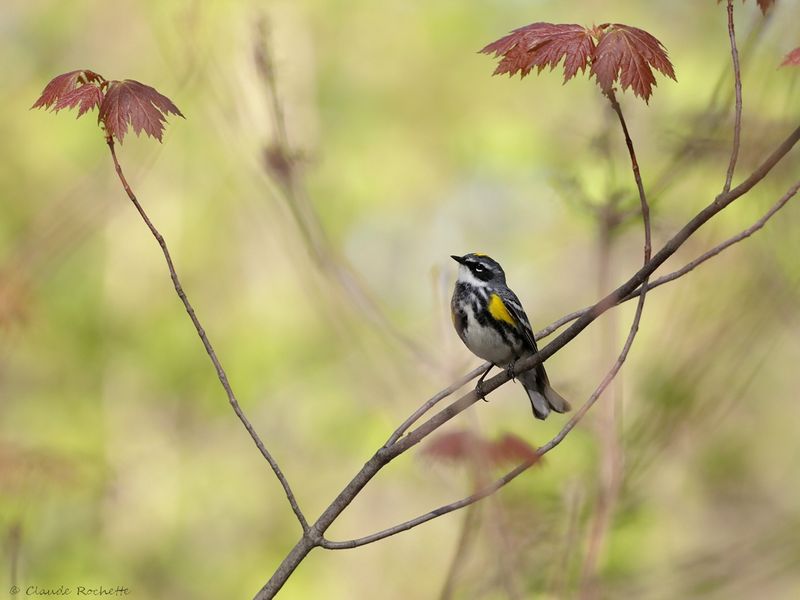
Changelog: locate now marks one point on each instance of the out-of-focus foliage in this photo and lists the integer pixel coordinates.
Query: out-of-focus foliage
(121, 462)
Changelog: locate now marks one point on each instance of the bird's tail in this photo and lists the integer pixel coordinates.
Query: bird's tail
(543, 397)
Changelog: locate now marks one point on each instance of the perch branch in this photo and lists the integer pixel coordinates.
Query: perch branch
(609, 377)
(223, 378)
(313, 537)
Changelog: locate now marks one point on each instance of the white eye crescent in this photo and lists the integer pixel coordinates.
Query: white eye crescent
(479, 268)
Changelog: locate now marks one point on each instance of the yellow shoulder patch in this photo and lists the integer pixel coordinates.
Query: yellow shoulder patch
(499, 311)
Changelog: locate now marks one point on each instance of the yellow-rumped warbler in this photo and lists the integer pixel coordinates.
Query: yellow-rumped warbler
(489, 319)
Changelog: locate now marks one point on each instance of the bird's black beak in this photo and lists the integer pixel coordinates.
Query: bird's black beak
(458, 259)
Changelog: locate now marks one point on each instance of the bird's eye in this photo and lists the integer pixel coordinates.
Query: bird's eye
(479, 268)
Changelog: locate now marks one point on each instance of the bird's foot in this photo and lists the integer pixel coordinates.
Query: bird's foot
(479, 391)
(511, 370)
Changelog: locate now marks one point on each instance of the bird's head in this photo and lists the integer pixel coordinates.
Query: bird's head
(479, 269)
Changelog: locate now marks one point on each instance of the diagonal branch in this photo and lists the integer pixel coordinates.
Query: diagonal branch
(285, 167)
(612, 299)
(609, 377)
(718, 249)
(490, 489)
(597, 539)
(742, 235)
(737, 82)
(417, 414)
(223, 378)
(384, 455)
(514, 473)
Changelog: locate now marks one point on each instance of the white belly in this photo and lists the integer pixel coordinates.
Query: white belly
(486, 342)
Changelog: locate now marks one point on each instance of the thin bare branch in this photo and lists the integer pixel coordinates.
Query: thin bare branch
(737, 79)
(519, 469)
(223, 378)
(459, 555)
(415, 416)
(612, 299)
(636, 175)
(511, 475)
(556, 440)
(606, 509)
(281, 160)
(744, 234)
(313, 537)
(609, 377)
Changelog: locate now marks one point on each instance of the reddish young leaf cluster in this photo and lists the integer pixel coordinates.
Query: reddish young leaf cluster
(792, 59)
(120, 103)
(543, 45)
(468, 448)
(764, 5)
(614, 53)
(68, 90)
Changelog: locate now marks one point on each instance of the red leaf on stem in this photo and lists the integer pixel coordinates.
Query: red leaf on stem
(132, 103)
(764, 5)
(469, 448)
(543, 45)
(614, 53)
(629, 55)
(511, 449)
(77, 88)
(86, 97)
(792, 59)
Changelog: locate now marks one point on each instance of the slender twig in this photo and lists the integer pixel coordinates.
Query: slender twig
(511, 475)
(459, 556)
(384, 455)
(608, 423)
(612, 299)
(405, 526)
(14, 545)
(744, 234)
(286, 169)
(688, 267)
(600, 530)
(647, 250)
(415, 416)
(737, 80)
(793, 190)
(223, 378)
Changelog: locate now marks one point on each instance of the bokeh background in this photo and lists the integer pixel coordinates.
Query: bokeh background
(121, 463)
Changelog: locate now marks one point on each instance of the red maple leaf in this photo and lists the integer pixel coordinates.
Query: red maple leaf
(458, 446)
(629, 55)
(130, 102)
(765, 5)
(614, 53)
(792, 59)
(511, 449)
(476, 451)
(543, 45)
(77, 88)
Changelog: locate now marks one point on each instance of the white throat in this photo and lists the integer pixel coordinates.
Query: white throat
(466, 276)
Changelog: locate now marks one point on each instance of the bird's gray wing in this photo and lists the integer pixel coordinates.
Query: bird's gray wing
(514, 306)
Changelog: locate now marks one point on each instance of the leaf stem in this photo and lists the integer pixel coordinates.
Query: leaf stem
(221, 375)
(737, 78)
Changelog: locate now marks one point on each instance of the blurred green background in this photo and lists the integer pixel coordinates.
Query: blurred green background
(121, 462)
